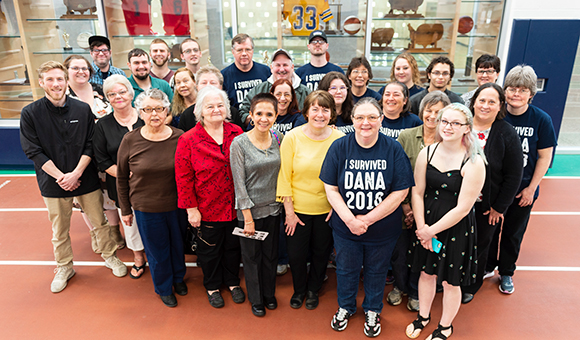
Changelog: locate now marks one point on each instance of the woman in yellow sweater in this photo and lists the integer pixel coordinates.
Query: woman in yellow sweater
(307, 210)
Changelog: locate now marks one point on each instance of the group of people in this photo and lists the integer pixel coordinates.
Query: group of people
(269, 164)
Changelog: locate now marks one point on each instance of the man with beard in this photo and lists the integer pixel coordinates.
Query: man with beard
(56, 133)
(439, 74)
(282, 67)
(101, 53)
(160, 54)
(244, 74)
(318, 66)
(140, 79)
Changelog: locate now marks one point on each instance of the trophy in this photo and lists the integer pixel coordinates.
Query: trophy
(65, 37)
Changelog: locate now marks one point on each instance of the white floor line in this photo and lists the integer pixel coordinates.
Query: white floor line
(3, 184)
(19, 175)
(193, 264)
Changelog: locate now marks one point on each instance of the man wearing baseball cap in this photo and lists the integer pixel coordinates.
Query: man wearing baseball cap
(282, 67)
(101, 53)
(318, 66)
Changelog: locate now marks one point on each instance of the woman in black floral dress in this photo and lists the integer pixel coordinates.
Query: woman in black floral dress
(449, 176)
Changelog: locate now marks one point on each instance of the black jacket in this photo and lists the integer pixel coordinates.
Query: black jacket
(62, 135)
(503, 175)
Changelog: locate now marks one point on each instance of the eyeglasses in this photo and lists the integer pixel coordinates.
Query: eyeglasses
(76, 69)
(285, 95)
(334, 89)
(102, 50)
(514, 90)
(438, 74)
(241, 50)
(359, 71)
(114, 94)
(158, 109)
(488, 72)
(455, 125)
(191, 50)
(360, 119)
(318, 42)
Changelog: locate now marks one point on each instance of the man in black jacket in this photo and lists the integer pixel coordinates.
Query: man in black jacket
(56, 133)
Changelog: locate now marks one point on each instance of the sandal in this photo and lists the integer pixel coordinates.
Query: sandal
(437, 333)
(137, 269)
(417, 326)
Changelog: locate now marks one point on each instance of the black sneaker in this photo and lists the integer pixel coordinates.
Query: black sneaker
(169, 300)
(340, 320)
(180, 288)
(215, 299)
(372, 324)
(238, 295)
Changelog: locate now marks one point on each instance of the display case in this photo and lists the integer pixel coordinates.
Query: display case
(134, 24)
(51, 30)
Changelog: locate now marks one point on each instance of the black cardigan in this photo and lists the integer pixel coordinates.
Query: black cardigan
(505, 166)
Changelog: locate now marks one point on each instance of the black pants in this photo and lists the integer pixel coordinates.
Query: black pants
(405, 280)
(218, 254)
(512, 233)
(315, 237)
(260, 260)
(485, 235)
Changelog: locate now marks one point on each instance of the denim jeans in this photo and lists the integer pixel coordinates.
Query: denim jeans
(162, 235)
(351, 256)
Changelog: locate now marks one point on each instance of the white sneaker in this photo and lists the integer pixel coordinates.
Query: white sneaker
(372, 327)
(118, 267)
(488, 275)
(63, 274)
(395, 297)
(340, 320)
(281, 269)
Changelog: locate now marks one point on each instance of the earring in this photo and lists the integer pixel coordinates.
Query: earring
(251, 122)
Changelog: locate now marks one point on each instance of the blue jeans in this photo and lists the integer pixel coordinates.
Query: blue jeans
(351, 256)
(162, 235)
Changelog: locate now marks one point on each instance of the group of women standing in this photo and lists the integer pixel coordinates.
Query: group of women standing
(467, 167)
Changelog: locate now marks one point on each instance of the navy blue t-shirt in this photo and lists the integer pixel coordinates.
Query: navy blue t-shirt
(414, 89)
(311, 75)
(393, 128)
(536, 131)
(368, 93)
(341, 125)
(237, 83)
(365, 177)
(286, 122)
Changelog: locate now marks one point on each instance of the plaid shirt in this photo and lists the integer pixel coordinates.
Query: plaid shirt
(97, 77)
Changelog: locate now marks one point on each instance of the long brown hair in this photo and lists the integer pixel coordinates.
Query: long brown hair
(293, 107)
(178, 104)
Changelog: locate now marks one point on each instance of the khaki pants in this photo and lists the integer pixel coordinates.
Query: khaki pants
(60, 212)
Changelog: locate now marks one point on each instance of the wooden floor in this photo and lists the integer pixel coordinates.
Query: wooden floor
(97, 305)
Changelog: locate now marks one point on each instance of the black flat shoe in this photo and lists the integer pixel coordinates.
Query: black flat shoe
(215, 299)
(466, 298)
(297, 300)
(169, 300)
(258, 310)
(238, 295)
(180, 288)
(271, 303)
(311, 300)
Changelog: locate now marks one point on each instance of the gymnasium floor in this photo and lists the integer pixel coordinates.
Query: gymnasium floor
(97, 305)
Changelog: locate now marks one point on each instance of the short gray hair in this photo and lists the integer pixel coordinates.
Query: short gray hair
(367, 100)
(200, 102)
(152, 93)
(522, 76)
(209, 69)
(115, 79)
(431, 99)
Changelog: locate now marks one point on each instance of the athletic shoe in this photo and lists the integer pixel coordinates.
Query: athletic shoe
(506, 285)
(413, 304)
(372, 324)
(281, 269)
(61, 277)
(390, 280)
(488, 275)
(395, 297)
(117, 266)
(340, 320)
